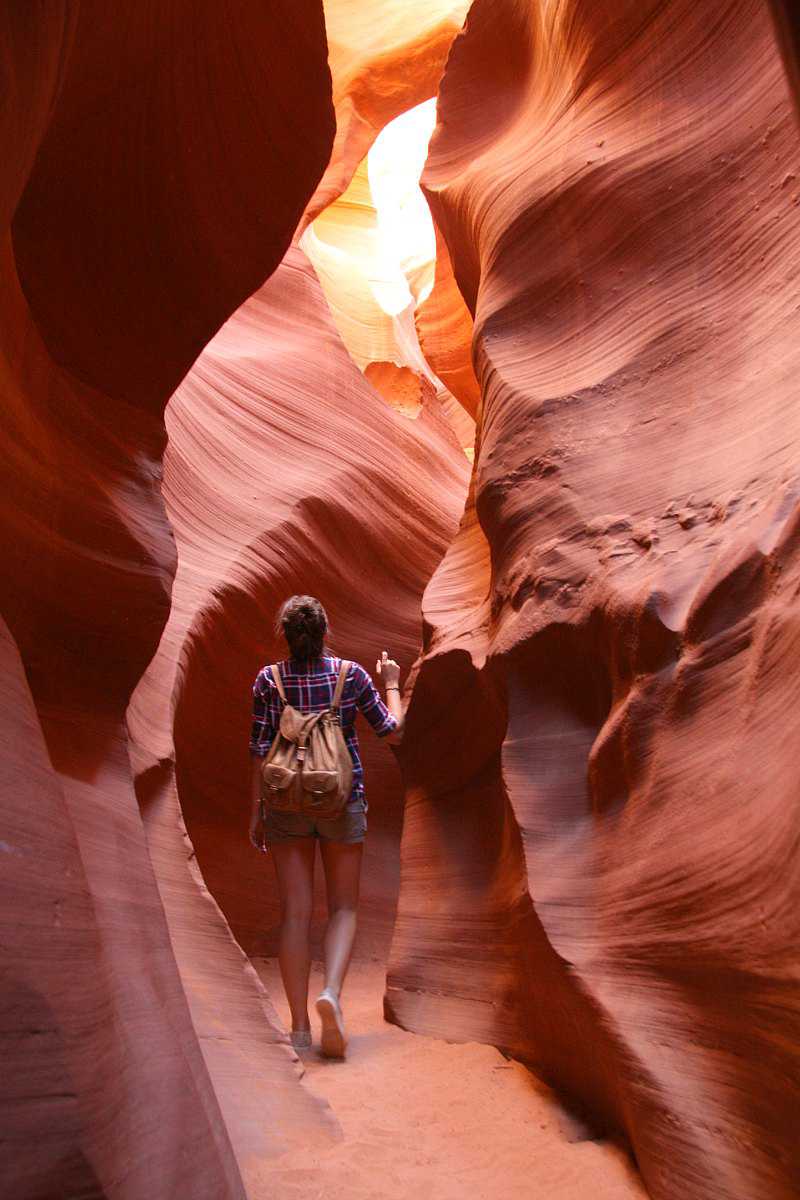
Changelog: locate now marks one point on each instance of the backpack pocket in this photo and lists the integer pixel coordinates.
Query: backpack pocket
(278, 784)
(319, 788)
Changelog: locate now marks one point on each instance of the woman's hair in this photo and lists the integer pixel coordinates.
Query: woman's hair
(303, 622)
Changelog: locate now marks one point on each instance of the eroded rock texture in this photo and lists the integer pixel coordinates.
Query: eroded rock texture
(444, 328)
(291, 469)
(599, 856)
(353, 496)
(787, 28)
(385, 56)
(139, 144)
(612, 641)
(377, 299)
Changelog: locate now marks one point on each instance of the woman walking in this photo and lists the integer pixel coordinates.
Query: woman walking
(309, 678)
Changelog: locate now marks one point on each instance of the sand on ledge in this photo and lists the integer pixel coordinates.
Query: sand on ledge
(429, 1119)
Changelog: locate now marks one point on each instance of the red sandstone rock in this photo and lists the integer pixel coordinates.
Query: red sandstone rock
(444, 326)
(287, 471)
(787, 27)
(179, 156)
(66, 1065)
(602, 877)
(139, 144)
(612, 640)
(384, 57)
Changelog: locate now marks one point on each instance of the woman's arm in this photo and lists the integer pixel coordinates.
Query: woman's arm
(389, 671)
(256, 832)
(261, 735)
(255, 780)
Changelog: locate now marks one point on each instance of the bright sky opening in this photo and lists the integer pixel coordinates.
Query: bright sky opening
(406, 242)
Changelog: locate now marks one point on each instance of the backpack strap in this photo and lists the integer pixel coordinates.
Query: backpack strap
(337, 695)
(275, 672)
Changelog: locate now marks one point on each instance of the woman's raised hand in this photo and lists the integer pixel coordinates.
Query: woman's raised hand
(387, 670)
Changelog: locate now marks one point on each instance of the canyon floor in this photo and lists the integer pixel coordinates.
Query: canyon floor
(423, 1117)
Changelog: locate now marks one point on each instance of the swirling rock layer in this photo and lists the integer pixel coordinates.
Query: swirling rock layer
(139, 144)
(600, 842)
(384, 57)
(787, 28)
(612, 640)
(176, 132)
(356, 506)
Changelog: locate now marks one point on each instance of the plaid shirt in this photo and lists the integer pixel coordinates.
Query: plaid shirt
(309, 686)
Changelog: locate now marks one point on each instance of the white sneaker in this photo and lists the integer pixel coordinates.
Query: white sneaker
(333, 1039)
(300, 1038)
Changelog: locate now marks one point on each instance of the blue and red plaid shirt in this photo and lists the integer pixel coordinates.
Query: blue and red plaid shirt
(309, 686)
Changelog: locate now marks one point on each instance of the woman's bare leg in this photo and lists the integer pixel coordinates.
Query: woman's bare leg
(294, 868)
(342, 862)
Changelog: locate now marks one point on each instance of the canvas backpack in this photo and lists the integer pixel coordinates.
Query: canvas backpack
(308, 768)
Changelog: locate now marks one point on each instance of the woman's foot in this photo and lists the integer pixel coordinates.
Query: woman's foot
(300, 1038)
(333, 1039)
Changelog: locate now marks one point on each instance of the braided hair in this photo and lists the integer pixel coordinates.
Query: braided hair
(303, 622)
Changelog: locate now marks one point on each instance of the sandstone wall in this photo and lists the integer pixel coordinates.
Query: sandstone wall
(612, 639)
(598, 865)
(286, 471)
(139, 143)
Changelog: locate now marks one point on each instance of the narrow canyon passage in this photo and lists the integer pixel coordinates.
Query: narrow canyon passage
(417, 1115)
(577, 585)
(405, 1109)
(477, 319)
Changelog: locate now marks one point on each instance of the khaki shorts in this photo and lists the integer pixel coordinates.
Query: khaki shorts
(349, 826)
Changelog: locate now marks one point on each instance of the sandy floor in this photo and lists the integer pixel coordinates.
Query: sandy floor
(423, 1119)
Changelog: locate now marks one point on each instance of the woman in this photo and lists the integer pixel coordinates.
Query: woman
(309, 677)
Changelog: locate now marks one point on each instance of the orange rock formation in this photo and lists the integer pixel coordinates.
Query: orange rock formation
(612, 638)
(384, 57)
(139, 144)
(363, 499)
(598, 852)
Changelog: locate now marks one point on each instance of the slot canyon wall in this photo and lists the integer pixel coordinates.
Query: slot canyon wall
(594, 865)
(139, 143)
(353, 497)
(140, 212)
(787, 27)
(612, 640)
(302, 455)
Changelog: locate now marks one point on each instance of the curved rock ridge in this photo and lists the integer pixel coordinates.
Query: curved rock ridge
(444, 328)
(385, 57)
(342, 245)
(124, 253)
(401, 386)
(355, 505)
(787, 26)
(612, 639)
(376, 277)
(179, 172)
